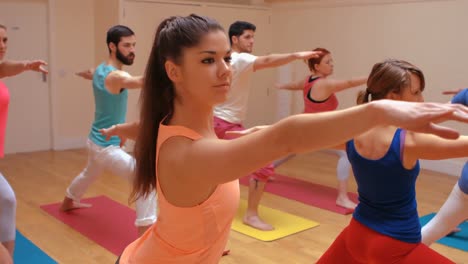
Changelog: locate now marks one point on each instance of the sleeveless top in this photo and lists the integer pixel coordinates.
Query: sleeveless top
(387, 192)
(186, 235)
(312, 106)
(4, 101)
(111, 109)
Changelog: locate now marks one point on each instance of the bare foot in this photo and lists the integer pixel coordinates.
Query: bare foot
(255, 222)
(226, 252)
(345, 202)
(68, 204)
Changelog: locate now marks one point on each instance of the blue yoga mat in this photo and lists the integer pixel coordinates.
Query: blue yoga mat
(458, 240)
(26, 252)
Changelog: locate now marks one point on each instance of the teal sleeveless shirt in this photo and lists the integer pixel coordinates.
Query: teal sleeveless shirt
(111, 109)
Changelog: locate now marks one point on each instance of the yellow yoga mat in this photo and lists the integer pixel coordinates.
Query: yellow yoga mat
(285, 224)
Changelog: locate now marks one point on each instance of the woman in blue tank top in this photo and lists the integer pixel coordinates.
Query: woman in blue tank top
(385, 226)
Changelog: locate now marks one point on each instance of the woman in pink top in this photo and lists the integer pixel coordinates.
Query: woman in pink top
(319, 96)
(195, 173)
(7, 196)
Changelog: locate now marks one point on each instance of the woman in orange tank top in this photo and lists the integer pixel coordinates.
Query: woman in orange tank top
(195, 173)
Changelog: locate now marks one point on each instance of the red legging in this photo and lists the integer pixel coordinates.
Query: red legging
(358, 244)
(221, 127)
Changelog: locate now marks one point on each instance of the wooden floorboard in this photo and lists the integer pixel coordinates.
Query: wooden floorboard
(42, 177)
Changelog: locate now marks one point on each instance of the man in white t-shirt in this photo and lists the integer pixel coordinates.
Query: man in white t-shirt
(230, 115)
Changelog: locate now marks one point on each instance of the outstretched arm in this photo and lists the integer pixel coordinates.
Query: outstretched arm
(323, 88)
(276, 60)
(123, 131)
(431, 147)
(240, 133)
(86, 74)
(454, 91)
(424, 146)
(11, 68)
(294, 135)
(298, 85)
(248, 131)
(116, 80)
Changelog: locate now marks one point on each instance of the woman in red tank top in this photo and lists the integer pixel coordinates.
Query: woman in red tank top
(319, 96)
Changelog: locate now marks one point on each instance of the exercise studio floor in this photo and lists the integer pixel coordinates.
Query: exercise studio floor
(41, 178)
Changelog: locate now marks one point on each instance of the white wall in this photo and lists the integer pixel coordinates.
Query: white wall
(29, 109)
(359, 33)
(78, 30)
(429, 34)
(71, 25)
(106, 14)
(144, 16)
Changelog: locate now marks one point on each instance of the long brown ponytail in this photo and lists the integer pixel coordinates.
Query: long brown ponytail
(157, 95)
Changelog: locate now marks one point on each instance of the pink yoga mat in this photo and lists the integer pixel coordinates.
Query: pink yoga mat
(108, 223)
(317, 195)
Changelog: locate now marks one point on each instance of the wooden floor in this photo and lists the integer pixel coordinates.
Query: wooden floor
(42, 177)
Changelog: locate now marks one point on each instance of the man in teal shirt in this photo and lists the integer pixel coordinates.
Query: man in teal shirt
(110, 85)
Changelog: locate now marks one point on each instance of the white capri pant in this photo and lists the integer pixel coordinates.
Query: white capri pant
(7, 211)
(343, 167)
(118, 162)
